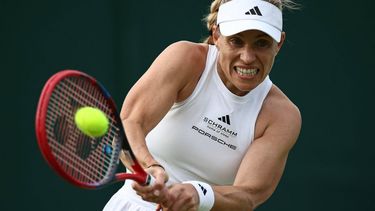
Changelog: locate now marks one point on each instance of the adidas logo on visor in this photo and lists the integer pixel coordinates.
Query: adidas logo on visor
(240, 15)
(254, 11)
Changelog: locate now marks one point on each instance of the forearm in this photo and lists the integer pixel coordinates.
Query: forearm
(136, 136)
(236, 198)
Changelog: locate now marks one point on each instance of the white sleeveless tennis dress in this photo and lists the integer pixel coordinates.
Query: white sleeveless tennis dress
(202, 138)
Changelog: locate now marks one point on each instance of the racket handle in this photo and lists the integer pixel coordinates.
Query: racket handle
(150, 180)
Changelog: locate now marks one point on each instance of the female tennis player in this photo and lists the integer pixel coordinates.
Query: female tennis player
(206, 120)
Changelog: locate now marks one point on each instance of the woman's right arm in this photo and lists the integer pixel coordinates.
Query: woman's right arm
(169, 79)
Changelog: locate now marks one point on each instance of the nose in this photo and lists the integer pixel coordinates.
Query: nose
(248, 55)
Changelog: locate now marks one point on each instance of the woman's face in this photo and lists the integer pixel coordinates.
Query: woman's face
(245, 59)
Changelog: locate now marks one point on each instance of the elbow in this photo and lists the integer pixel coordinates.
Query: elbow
(134, 123)
(256, 197)
(250, 204)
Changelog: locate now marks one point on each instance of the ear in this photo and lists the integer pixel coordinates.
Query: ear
(280, 44)
(215, 34)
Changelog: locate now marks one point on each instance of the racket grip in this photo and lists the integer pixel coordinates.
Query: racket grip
(150, 180)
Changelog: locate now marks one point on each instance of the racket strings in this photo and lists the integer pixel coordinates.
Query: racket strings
(82, 172)
(86, 159)
(83, 145)
(71, 150)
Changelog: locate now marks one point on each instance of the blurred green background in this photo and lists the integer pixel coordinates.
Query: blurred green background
(325, 67)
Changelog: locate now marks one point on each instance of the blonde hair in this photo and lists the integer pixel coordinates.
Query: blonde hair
(211, 18)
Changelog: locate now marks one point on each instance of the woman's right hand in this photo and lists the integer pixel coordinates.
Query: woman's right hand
(158, 192)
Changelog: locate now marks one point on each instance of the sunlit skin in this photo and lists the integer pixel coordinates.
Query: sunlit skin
(252, 52)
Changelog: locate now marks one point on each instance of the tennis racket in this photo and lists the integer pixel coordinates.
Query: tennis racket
(82, 160)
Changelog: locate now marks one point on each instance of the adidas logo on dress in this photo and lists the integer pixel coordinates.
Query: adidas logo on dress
(225, 119)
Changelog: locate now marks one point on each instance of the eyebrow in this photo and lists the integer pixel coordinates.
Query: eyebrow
(261, 34)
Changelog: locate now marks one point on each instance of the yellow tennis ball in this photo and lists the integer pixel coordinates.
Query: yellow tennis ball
(91, 121)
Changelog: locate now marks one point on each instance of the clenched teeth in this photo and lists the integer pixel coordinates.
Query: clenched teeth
(248, 72)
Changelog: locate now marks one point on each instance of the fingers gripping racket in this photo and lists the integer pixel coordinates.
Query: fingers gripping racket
(84, 161)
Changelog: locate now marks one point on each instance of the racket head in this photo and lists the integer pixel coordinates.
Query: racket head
(84, 161)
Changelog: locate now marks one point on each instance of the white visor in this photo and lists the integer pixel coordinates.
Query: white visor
(240, 15)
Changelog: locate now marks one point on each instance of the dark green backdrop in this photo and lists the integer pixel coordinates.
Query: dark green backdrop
(325, 67)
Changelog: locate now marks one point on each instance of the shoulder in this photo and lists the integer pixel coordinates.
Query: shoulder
(181, 57)
(194, 56)
(184, 62)
(188, 51)
(276, 101)
(184, 45)
(280, 115)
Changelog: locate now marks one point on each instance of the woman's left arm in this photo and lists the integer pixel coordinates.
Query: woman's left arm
(277, 129)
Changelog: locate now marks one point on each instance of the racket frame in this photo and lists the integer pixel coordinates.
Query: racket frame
(139, 174)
